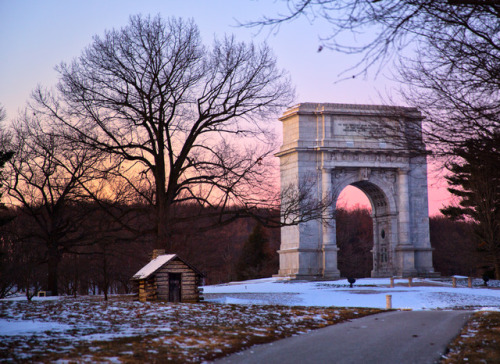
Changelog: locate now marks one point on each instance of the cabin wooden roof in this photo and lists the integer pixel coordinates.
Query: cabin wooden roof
(149, 269)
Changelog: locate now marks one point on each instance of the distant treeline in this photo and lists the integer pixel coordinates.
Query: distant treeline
(100, 256)
(455, 249)
(97, 249)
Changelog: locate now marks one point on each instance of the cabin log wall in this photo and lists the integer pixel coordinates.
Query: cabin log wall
(157, 286)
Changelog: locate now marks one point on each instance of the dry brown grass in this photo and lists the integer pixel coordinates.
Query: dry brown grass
(132, 332)
(479, 341)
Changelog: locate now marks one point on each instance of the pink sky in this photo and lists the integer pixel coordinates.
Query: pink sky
(438, 194)
(35, 36)
(351, 196)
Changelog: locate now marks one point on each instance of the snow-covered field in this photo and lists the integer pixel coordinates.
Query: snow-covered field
(425, 294)
(88, 329)
(235, 315)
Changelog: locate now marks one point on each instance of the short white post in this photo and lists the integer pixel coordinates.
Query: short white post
(388, 301)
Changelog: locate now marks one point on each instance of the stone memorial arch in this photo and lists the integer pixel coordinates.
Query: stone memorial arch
(335, 145)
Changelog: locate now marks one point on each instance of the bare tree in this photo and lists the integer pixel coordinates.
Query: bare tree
(455, 81)
(188, 122)
(5, 155)
(381, 29)
(451, 57)
(44, 179)
(7, 284)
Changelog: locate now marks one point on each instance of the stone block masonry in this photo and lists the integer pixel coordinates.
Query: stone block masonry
(378, 149)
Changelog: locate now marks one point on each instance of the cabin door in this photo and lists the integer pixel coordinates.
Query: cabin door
(174, 287)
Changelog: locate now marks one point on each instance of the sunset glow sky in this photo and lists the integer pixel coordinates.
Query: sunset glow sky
(35, 36)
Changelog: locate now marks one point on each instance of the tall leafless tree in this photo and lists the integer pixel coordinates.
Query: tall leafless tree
(44, 179)
(381, 29)
(5, 155)
(455, 81)
(6, 283)
(448, 51)
(189, 122)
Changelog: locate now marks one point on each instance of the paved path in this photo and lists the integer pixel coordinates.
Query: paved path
(393, 337)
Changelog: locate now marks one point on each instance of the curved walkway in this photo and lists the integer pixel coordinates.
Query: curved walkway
(390, 337)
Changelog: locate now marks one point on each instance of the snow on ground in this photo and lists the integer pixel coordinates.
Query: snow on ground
(10, 328)
(425, 294)
(88, 329)
(68, 328)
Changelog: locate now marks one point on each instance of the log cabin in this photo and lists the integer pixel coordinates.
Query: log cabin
(168, 278)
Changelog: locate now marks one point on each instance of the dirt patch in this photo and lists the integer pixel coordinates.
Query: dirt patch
(478, 342)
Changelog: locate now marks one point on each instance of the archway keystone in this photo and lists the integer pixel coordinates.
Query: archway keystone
(377, 149)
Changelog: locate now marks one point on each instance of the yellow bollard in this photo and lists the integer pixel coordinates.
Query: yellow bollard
(469, 282)
(410, 280)
(454, 282)
(392, 282)
(388, 302)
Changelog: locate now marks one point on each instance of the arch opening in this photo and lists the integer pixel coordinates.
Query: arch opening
(364, 229)
(354, 233)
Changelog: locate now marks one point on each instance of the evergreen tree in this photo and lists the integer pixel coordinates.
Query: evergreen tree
(253, 255)
(476, 182)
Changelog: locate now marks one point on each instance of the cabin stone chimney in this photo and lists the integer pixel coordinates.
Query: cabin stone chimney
(156, 253)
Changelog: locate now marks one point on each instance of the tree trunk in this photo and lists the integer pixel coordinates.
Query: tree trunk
(75, 277)
(161, 196)
(160, 241)
(496, 264)
(105, 275)
(53, 265)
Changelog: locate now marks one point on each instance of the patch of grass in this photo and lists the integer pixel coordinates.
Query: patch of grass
(479, 341)
(132, 332)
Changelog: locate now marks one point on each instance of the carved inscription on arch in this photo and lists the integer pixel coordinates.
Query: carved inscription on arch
(349, 126)
(351, 156)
